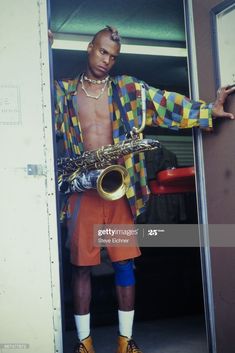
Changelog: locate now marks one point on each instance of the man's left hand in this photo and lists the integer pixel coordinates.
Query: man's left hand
(218, 106)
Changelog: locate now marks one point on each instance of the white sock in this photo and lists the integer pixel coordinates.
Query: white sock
(125, 322)
(83, 325)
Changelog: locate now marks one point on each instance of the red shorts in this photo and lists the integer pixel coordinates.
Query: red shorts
(91, 209)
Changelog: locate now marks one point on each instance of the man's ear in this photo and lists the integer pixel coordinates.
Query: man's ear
(90, 46)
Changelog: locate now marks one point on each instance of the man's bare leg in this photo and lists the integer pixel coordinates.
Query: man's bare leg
(126, 301)
(81, 286)
(126, 297)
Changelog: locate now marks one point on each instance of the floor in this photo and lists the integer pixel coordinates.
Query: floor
(178, 335)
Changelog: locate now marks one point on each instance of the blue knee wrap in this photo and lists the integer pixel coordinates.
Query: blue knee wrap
(124, 273)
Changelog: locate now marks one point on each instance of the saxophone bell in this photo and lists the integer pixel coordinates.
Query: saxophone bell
(113, 182)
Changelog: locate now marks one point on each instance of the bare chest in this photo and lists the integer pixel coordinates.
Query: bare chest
(94, 117)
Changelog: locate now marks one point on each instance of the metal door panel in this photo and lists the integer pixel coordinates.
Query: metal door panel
(30, 308)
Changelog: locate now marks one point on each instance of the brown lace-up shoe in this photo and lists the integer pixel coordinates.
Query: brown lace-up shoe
(84, 346)
(127, 345)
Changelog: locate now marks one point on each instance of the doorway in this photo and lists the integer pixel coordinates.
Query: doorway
(169, 300)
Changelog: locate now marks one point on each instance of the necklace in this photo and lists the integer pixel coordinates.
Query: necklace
(97, 82)
(90, 95)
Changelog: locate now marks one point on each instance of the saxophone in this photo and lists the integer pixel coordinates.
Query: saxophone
(96, 168)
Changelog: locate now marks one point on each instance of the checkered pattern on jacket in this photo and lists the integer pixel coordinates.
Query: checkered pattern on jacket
(164, 109)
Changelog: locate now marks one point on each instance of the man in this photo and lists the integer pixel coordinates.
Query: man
(92, 111)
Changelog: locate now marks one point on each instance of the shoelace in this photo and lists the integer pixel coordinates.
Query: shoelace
(132, 347)
(81, 349)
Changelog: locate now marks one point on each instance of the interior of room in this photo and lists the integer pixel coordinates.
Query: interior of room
(169, 301)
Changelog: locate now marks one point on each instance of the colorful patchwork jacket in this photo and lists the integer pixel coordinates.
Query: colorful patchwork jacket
(164, 109)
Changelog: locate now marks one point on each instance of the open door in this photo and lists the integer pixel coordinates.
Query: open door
(30, 306)
(210, 28)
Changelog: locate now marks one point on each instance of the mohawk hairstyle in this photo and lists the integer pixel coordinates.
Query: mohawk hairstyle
(113, 34)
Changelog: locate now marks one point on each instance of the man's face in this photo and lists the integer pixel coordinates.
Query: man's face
(102, 54)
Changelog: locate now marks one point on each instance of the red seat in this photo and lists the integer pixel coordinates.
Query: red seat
(172, 181)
